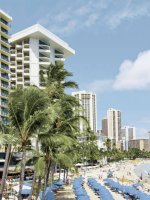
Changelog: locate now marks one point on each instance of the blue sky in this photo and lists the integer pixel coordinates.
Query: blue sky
(112, 43)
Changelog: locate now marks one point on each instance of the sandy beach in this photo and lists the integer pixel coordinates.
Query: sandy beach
(124, 172)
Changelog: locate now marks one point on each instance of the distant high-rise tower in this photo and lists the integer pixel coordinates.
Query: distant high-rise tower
(127, 133)
(4, 65)
(105, 127)
(88, 102)
(114, 124)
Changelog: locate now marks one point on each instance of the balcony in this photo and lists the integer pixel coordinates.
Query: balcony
(4, 23)
(5, 75)
(5, 50)
(5, 86)
(4, 59)
(18, 46)
(41, 43)
(12, 51)
(19, 58)
(27, 83)
(60, 59)
(4, 94)
(4, 113)
(26, 46)
(4, 34)
(26, 71)
(44, 63)
(4, 66)
(26, 61)
(26, 67)
(4, 39)
(43, 58)
(45, 49)
(4, 30)
(26, 58)
(19, 54)
(13, 71)
(4, 103)
(19, 79)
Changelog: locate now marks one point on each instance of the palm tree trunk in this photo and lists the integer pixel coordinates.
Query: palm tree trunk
(38, 187)
(48, 172)
(45, 179)
(52, 172)
(5, 170)
(64, 175)
(59, 172)
(22, 173)
(33, 183)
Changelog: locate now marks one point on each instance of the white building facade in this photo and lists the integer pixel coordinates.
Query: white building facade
(114, 125)
(5, 20)
(88, 103)
(127, 133)
(32, 50)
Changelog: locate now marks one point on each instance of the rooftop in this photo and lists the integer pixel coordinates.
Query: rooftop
(38, 31)
(5, 15)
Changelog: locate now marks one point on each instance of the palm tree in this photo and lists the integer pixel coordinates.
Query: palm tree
(65, 125)
(28, 112)
(6, 139)
(56, 79)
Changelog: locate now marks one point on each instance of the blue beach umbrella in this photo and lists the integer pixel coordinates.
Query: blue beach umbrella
(49, 196)
(26, 191)
(59, 183)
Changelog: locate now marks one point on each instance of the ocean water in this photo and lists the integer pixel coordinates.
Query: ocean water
(143, 170)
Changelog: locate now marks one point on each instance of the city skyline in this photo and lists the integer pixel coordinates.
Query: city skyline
(107, 46)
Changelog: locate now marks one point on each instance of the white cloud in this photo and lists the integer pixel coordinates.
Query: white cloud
(91, 20)
(100, 86)
(84, 15)
(134, 75)
(74, 18)
(128, 11)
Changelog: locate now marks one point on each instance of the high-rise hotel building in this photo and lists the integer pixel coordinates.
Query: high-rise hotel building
(5, 19)
(114, 125)
(88, 103)
(127, 134)
(32, 50)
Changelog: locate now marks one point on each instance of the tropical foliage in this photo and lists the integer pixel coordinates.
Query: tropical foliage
(44, 129)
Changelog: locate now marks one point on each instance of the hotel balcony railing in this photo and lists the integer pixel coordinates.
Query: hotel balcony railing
(43, 56)
(4, 103)
(4, 39)
(4, 113)
(12, 51)
(5, 76)
(4, 30)
(4, 66)
(4, 85)
(43, 43)
(5, 49)
(42, 60)
(5, 122)
(44, 48)
(4, 22)
(5, 58)
(58, 52)
(4, 94)
(59, 56)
